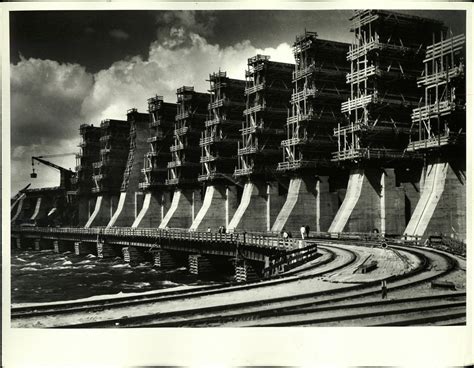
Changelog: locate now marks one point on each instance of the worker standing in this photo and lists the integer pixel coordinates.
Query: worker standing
(383, 287)
(303, 232)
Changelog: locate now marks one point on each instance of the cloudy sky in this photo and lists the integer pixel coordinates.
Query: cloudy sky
(71, 67)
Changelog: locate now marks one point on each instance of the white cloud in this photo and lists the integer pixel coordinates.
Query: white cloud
(128, 83)
(50, 99)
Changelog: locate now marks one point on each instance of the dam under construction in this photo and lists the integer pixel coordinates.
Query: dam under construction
(343, 173)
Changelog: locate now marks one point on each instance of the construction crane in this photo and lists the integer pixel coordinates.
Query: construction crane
(66, 174)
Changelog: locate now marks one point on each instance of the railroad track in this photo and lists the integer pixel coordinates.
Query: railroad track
(236, 313)
(280, 304)
(329, 264)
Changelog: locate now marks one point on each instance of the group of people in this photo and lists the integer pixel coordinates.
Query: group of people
(221, 230)
(304, 230)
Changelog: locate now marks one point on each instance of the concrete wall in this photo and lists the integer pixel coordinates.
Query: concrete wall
(442, 205)
(184, 207)
(373, 201)
(154, 208)
(259, 207)
(309, 202)
(219, 205)
(17, 208)
(104, 209)
(127, 207)
(86, 205)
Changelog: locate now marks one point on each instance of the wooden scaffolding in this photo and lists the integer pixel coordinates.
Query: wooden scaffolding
(220, 137)
(184, 166)
(319, 87)
(440, 120)
(385, 60)
(268, 92)
(161, 127)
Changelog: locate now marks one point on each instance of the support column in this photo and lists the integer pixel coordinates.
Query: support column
(61, 246)
(309, 202)
(153, 210)
(18, 243)
(163, 259)
(103, 211)
(219, 202)
(81, 248)
(199, 264)
(105, 250)
(133, 254)
(42, 244)
(259, 203)
(441, 208)
(244, 272)
(180, 213)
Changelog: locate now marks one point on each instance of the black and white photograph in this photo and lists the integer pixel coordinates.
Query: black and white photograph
(228, 168)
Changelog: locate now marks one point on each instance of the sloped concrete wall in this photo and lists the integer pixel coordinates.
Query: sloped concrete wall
(220, 203)
(258, 208)
(104, 209)
(184, 207)
(309, 203)
(373, 201)
(126, 210)
(155, 206)
(442, 205)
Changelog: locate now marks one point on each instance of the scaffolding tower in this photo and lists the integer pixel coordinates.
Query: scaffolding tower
(385, 60)
(89, 153)
(440, 120)
(220, 137)
(161, 125)
(183, 169)
(267, 92)
(114, 146)
(319, 88)
(135, 119)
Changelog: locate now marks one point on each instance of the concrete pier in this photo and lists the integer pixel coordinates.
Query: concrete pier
(309, 202)
(84, 248)
(154, 208)
(42, 244)
(105, 250)
(244, 272)
(133, 254)
(61, 246)
(18, 243)
(219, 205)
(104, 209)
(163, 259)
(442, 205)
(183, 209)
(258, 208)
(130, 198)
(199, 264)
(373, 202)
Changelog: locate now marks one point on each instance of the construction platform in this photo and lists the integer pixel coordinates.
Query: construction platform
(361, 138)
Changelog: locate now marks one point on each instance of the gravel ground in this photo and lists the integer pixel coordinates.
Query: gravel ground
(286, 289)
(388, 264)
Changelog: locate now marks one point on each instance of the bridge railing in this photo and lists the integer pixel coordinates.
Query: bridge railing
(242, 238)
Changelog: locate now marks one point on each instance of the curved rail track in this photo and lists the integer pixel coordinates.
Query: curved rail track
(328, 264)
(301, 307)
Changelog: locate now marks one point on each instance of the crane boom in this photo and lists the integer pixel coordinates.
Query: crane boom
(47, 163)
(65, 174)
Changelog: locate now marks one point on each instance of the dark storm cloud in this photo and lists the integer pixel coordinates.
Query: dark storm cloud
(46, 99)
(73, 72)
(119, 34)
